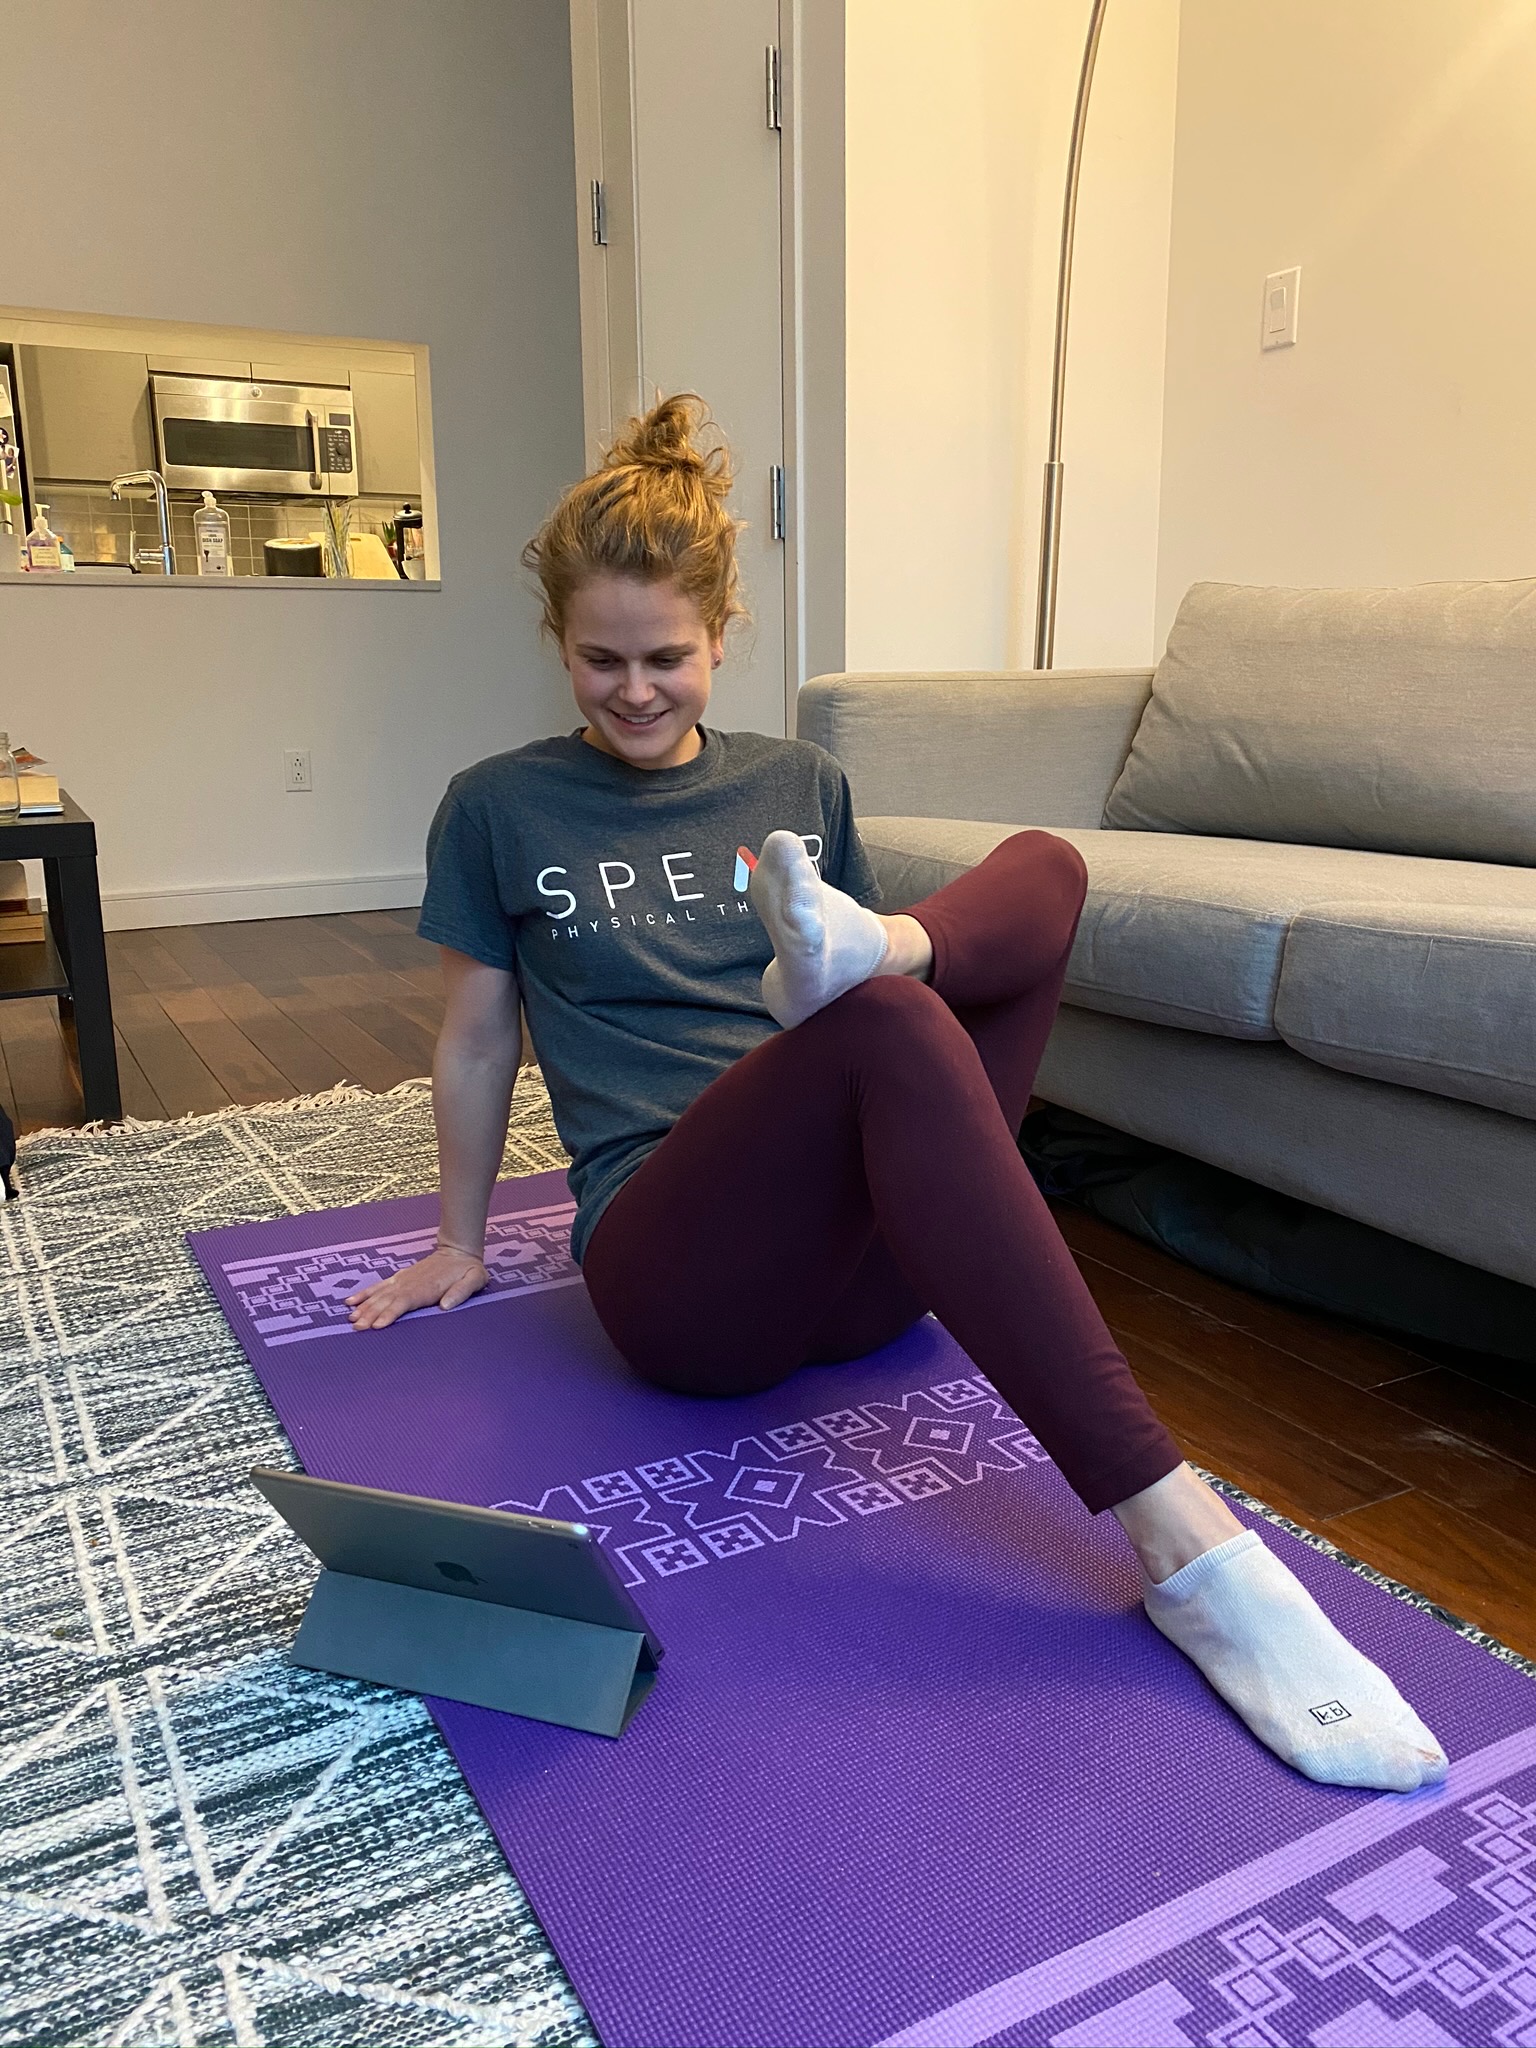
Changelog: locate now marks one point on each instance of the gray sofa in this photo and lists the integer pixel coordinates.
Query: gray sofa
(1308, 952)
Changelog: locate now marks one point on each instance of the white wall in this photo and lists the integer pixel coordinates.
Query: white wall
(957, 124)
(1387, 147)
(396, 173)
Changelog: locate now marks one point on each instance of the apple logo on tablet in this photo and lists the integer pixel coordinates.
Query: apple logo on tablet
(460, 1574)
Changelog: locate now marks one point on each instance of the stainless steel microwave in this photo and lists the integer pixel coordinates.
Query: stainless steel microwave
(289, 440)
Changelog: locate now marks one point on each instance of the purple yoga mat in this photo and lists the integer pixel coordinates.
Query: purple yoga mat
(917, 1770)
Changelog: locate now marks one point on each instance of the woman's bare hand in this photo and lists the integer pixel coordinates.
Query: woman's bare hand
(442, 1279)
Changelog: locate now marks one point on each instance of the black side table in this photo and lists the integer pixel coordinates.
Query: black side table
(70, 961)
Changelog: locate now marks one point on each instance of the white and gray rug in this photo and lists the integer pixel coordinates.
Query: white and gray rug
(200, 1844)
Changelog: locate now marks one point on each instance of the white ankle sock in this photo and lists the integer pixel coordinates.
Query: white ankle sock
(1281, 1665)
(823, 942)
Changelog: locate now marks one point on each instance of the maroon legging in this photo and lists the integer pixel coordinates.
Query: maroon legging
(852, 1173)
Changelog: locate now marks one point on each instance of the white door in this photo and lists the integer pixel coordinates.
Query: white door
(672, 123)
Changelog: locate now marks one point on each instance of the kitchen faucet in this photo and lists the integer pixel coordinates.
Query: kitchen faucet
(165, 554)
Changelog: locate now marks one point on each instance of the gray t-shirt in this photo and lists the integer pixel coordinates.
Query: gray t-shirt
(618, 897)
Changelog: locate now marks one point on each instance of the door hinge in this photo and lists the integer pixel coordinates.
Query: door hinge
(774, 88)
(599, 214)
(777, 527)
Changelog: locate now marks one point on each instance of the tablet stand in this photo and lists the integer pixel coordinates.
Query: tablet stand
(574, 1673)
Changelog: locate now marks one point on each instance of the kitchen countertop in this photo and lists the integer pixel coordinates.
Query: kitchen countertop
(114, 579)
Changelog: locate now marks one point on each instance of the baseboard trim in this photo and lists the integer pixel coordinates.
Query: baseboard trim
(132, 910)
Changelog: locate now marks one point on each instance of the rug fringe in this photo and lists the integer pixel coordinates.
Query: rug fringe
(130, 1126)
(1398, 1588)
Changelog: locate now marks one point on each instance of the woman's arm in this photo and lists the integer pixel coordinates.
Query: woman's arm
(473, 1071)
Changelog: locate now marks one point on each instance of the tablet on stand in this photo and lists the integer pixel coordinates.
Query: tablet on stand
(501, 1610)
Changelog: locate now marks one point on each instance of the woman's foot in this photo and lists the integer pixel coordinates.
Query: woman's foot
(1261, 1640)
(823, 942)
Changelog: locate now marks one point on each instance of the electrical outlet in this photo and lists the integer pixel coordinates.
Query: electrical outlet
(296, 770)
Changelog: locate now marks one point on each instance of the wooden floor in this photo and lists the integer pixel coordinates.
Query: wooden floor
(212, 1014)
(1423, 1463)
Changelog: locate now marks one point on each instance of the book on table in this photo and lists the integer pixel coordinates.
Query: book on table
(39, 794)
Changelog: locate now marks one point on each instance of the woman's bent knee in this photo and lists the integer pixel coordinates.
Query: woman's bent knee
(1055, 867)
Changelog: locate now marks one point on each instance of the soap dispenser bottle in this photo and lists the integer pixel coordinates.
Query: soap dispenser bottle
(210, 528)
(43, 551)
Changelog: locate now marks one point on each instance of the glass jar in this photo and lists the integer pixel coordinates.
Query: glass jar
(10, 788)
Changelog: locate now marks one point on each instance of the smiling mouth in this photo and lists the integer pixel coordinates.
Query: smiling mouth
(639, 723)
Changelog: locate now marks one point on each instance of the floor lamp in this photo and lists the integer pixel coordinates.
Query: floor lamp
(1050, 511)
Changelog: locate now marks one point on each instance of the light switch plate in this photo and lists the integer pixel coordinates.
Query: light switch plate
(1282, 290)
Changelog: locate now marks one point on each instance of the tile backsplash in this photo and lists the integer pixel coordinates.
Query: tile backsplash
(101, 529)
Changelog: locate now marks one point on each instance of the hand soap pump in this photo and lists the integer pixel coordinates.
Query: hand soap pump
(210, 528)
(43, 551)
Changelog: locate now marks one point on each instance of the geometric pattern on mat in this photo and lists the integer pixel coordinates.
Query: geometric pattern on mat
(680, 1513)
(201, 1843)
(1443, 1930)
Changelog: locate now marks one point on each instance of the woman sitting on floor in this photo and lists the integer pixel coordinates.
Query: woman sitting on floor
(792, 1120)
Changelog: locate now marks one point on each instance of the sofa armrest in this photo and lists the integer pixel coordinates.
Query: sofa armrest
(1027, 747)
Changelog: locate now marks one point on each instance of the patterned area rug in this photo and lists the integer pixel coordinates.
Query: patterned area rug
(201, 1844)
(198, 1843)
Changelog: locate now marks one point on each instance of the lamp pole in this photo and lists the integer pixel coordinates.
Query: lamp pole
(1050, 510)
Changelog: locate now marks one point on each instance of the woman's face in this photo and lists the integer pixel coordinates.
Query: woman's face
(641, 660)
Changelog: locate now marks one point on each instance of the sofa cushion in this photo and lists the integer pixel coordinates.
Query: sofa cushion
(1436, 996)
(1399, 720)
(1183, 930)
